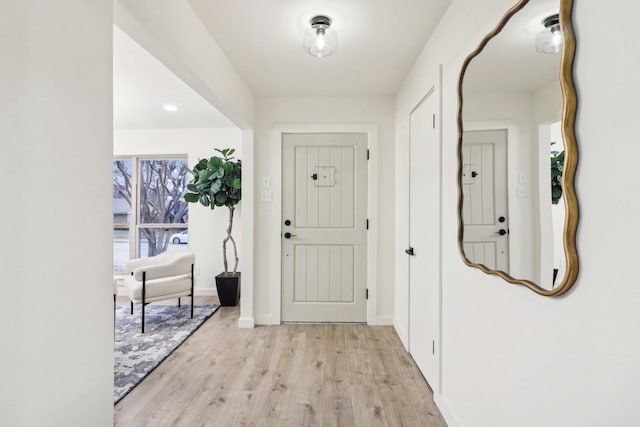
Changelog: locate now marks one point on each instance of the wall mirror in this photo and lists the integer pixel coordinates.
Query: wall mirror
(517, 151)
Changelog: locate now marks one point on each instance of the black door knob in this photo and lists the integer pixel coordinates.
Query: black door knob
(502, 219)
(287, 222)
(501, 232)
(288, 235)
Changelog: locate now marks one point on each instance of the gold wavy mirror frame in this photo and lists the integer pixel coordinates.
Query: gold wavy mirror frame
(566, 128)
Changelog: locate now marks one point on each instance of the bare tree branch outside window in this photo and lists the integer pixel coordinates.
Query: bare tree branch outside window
(162, 188)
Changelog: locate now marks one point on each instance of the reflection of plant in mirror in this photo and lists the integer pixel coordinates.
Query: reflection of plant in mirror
(557, 165)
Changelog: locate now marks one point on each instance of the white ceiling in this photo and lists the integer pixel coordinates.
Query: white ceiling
(142, 85)
(378, 41)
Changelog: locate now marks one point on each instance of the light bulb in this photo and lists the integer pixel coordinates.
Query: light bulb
(556, 39)
(320, 42)
(550, 39)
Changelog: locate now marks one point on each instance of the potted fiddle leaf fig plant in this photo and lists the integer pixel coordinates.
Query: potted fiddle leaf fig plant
(217, 182)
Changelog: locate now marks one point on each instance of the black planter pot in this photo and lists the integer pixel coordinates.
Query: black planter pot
(228, 289)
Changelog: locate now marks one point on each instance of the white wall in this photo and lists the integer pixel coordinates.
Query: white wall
(511, 357)
(55, 127)
(207, 228)
(273, 111)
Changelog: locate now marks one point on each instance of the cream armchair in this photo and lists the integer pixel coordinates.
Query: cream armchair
(165, 276)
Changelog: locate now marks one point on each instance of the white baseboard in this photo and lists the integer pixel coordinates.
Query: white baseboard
(263, 320)
(246, 323)
(445, 410)
(205, 292)
(402, 334)
(385, 320)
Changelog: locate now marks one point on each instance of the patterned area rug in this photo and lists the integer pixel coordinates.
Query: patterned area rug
(137, 354)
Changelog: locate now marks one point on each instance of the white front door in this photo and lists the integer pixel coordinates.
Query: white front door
(324, 240)
(424, 237)
(484, 208)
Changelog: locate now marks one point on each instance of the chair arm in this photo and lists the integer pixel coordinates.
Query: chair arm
(165, 267)
(133, 264)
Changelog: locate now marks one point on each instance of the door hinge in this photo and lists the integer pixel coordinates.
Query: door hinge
(368, 154)
(434, 121)
(367, 294)
(367, 223)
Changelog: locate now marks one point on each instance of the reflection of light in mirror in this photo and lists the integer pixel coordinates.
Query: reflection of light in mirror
(550, 39)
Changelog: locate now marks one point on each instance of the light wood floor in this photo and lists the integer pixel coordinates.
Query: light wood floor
(288, 375)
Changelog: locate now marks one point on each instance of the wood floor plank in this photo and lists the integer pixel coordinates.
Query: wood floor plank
(287, 375)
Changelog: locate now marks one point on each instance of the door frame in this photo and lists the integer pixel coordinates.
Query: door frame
(371, 129)
(512, 139)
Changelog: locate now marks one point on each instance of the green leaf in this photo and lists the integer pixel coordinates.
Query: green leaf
(237, 183)
(215, 187)
(215, 163)
(221, 198)
(192, 187)
(204, 200)
(191, 197)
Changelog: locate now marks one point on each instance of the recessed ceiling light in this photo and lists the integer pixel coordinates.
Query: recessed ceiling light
(170, 107)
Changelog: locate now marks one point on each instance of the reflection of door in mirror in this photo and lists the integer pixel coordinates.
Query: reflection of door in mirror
(484, 209)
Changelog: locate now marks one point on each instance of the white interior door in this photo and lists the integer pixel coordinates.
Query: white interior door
(324, 244)
(484, 209)
(424, 238)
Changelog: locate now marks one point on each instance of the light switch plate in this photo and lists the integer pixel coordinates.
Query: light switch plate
(522, 178)
(523, 191)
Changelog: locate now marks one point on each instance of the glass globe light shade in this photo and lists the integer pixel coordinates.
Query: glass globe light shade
(550, 40)
(320, 40)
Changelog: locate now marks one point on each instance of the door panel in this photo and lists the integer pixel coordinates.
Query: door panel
(324, 258)
(484, 181)
(424, 238)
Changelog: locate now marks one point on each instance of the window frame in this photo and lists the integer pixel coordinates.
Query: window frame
(135, 225)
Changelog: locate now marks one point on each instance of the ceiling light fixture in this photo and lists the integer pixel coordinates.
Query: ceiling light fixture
(320, 40)
(170, 107)
(550, 40)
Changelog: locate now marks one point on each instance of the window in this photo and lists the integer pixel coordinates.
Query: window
(150, 214)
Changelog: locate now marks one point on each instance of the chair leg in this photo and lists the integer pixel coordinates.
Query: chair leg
(144, 290)
(131, 307)
(192, 291)
(179, 302)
